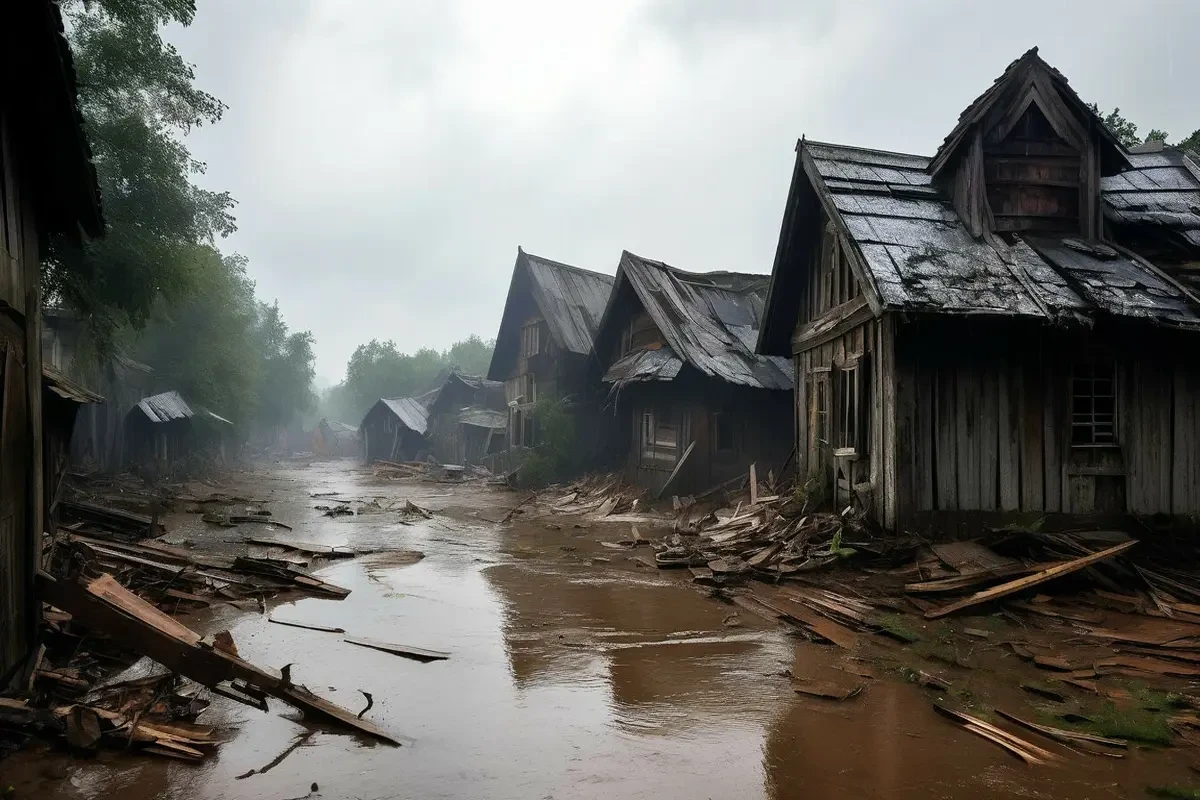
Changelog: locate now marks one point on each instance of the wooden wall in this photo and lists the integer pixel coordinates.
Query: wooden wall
(983, 420)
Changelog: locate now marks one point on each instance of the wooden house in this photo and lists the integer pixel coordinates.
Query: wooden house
(47, 187)
(1002, 330)
(163, 431)
(333, 439)
(395, 428)
(677, 350)
(468, 419)
(545, 339)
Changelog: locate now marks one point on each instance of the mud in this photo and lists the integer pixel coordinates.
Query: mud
(575, 672)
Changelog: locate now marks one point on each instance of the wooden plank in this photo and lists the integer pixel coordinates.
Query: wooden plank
(312, 626)
(1054, 428)
(1185, 449)
(753, 485)
(906, 426)
(1061, 734)
(832, 325)
(946, 437)
(1026, 751)
(1008, 464)
(886, 375)
(824, 627)
(407, 651)
(923, 441)
(989, 437)
(1011, 587)
(1148, 451)
(967, 436)
(1032, 457)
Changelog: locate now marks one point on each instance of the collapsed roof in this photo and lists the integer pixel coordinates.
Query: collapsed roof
(170, 406)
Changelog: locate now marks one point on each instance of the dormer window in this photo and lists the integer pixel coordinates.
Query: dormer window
(1032, 176)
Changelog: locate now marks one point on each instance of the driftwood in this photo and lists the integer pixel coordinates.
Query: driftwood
(407, 651)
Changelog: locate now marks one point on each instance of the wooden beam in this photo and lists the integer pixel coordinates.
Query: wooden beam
(835, 322)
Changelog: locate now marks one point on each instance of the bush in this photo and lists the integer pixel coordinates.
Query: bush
(554, 456)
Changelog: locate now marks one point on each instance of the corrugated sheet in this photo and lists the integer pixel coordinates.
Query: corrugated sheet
(921, 257)
(644, 365)
(409, 411)
(710, 320)
(66, 388)
(571, 299)
(1161, 191)
(483, 418)
(165, 407)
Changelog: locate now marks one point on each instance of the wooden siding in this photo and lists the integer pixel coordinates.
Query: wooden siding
(988, 405)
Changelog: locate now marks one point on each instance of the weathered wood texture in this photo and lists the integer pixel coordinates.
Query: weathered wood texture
(990, 421)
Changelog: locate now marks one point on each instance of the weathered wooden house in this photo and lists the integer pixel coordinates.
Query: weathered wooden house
(47, 187)
(545, 338)
(468, 419)
(1003, 329)
(333, 439)
(163, 431)
(62, 402)
(395, 428)
(677, 350)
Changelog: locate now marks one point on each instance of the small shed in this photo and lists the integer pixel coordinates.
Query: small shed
(467, 419)
(394, 429)
(335, 439)
(677, 350)
(163, 430)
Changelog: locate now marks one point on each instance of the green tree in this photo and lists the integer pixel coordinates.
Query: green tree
(138, 100)
(1192, 142)
(472, 355)
(1123, 129)
(286, 366)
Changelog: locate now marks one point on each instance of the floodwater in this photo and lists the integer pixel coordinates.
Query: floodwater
(575, 672)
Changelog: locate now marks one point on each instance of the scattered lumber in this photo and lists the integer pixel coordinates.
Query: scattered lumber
(407, 651)
(1026, 751)
(825, 690)
(1020, 584)
(312, 626)
(1063, 735)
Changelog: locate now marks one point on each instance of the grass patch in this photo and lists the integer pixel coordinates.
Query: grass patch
(909, 674)
(1175, 791)
(896, 626)
(1134, 724)
(943, 633)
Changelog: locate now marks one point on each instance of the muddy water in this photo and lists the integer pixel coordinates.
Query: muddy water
(575, 673)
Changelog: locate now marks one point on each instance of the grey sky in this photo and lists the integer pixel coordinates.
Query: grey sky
(388, 157)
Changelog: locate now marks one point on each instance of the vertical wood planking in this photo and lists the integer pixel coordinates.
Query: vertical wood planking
(1008, 462)
(945, 437)
(1148, 451)
(923, 439)
(887, 373)
(988, 415)
(800, 438)
(967, 435)
(876, 445)
(1032, 455)
(1185, 450)
(906, 426)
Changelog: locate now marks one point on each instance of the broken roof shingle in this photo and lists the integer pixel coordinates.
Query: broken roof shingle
(1161, 191)
(644, 365)
(710, 320)
(170, 406)
(410, 411)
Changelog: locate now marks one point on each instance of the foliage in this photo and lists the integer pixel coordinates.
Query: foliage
(1174, 791)
(553, 458)
(1192, 142)
(137, 97)
(286, 369)
(1126, 131)
(378, 369)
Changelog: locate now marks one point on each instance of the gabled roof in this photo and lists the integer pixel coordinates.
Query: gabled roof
(569, 298)
(710, 320)
(1161, 191)
(1027, 79)
(170, 406)
(918, 256)
(411, 413)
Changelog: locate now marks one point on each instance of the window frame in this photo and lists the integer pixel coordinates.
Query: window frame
(650, 444)
(1087, 420)
(530, 339)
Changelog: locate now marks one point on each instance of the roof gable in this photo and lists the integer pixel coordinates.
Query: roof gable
(570, 299)
(710, 321)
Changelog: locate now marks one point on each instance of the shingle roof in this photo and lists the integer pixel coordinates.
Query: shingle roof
(490, 418)
(411, 413)
(920, 257)
(644, 365)
(710, 320)
(67, 389)
(169, 406)
(1161, 191)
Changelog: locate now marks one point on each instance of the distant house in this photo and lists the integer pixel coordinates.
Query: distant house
(394, 429)
(164, 430)
(545, 337)
(335, 439)
(677, 350)
(47, 188)
(1006, 329)
(468, 419)
(62, 402)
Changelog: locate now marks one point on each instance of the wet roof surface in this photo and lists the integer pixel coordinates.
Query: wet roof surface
(1162, 190)
(409, 411)
(165, 407)
(921, 257)
(710, 320)
(483, 418)
(644, 365)
(571, 299)
(66, 388)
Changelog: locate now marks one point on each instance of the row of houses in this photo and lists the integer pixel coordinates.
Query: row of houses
(1000, 331)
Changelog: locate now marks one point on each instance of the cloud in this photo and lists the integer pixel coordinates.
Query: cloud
(388, 158)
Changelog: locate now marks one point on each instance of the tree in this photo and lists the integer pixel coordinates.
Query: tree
(286, 369)
(471, 355)
(1192, 142)
(1123, 129)
(138, 99)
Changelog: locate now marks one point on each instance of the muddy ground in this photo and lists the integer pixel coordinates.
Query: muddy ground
(576, 671)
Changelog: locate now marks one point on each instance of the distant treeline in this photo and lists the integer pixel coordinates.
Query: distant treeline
(377, 369)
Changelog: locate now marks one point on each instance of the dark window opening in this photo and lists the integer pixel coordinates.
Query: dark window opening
(821, 414)
(1094, 405)
(659, 437)
(723, 432)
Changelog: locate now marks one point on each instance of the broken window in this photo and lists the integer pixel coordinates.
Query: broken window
(723, 432)
(1094, 404)
(659, 437)
(529, 340)
(820, 407)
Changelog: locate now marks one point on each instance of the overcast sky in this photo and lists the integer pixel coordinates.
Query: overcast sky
(388, 157)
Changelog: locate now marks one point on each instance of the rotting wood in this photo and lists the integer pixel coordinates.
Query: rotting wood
(753, 486)
(312, 626)
(1033, 580)
(407, 651)
(1063, 735)
(968, 579)
(1028, 752)
(675, 472)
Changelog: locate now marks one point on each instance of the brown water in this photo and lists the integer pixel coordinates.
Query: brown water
(570, 677)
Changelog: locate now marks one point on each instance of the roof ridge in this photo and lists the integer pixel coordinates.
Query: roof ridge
(562, 265)
(803, 142)
(689, 274)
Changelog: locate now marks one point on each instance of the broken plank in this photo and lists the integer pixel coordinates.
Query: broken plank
(1062, 734)
(967, 580)
(753, 486)
(1005, 589)
(407, 651)
(1028, 752)
(675, 472)
(826, 690)
(824, 627)
(312, 626)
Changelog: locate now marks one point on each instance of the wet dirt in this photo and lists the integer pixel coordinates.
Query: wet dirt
(575, 671)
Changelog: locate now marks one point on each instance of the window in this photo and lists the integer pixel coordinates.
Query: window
(521, 389)
(659, 437)
(847, 416)
(723, 432)
(529, 339)
(1094, 405)
(820, 426)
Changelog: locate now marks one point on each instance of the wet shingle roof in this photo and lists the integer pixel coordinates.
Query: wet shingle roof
(920, 256)
(571, 299)
(644, 365)
(67, 389)
(169, 406)
(409, 411)
(1161, 191)
(710, 320)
